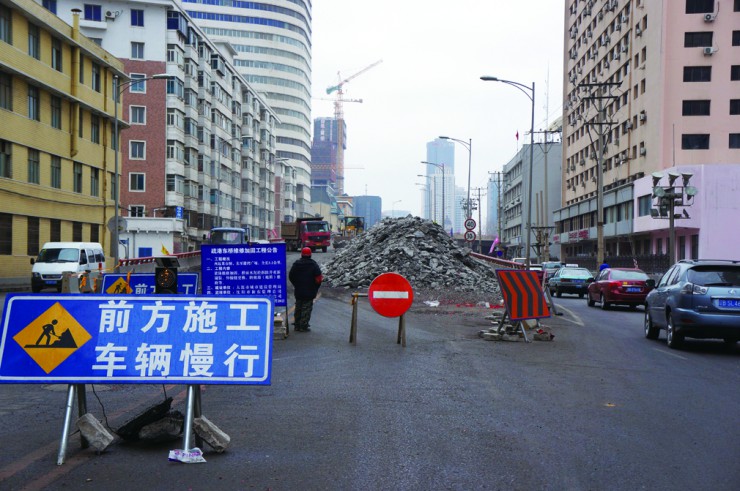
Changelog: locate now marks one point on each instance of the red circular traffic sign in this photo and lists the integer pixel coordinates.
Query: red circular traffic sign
(390, 295)
(469, 235)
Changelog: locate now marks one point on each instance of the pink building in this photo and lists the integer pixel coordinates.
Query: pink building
(651, 87)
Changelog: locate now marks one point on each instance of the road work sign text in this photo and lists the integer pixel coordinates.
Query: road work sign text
(136, 339)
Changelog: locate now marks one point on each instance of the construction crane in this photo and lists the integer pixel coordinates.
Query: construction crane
(339, 118)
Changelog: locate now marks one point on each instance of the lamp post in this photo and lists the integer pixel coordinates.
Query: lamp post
(442, 167)
(431, 197)
(469, 146)
(393, 208)
(119, 88)
(529, 92)
(667, 198)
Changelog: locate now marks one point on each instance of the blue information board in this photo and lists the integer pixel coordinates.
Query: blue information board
(99, 338)
(143, 283)
(245, 269)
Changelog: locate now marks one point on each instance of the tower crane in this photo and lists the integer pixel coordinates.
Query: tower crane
(339, 117)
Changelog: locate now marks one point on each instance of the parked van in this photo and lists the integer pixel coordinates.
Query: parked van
(57, 258)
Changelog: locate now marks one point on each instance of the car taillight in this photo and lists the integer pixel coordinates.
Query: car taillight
(691, 288)
(614, 285)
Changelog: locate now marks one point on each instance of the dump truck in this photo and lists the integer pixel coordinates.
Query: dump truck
(306, 232)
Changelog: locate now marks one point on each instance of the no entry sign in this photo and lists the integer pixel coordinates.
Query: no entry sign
(390, 295)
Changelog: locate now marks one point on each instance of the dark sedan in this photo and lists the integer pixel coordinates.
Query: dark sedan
(620, 286)
(570, 280)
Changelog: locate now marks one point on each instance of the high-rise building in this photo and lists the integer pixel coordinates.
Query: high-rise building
(57, 147)
(272, 43)
(199, 145)
(369, 207)
(650, 87)
(438, 200)
(324, 153)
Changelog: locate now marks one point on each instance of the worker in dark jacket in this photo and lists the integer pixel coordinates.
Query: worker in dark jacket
(305, 276)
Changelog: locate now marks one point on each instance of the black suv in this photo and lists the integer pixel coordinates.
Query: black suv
(696, 299)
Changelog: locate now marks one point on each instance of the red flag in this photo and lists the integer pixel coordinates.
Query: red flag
(517, 135)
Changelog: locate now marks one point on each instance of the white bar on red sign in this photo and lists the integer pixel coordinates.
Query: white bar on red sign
(390, 294)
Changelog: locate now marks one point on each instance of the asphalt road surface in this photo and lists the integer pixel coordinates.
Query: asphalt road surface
(598, 408)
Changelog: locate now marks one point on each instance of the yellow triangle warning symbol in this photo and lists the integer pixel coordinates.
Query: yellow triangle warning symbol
(52, 337)
(119, 286)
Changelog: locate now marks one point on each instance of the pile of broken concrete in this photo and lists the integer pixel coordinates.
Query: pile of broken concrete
(418, 249)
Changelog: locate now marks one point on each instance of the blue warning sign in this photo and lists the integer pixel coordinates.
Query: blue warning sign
(100, 338)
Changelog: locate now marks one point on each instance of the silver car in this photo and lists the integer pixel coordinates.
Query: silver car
(696, 299)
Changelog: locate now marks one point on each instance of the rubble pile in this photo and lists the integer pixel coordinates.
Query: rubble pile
(417, 249)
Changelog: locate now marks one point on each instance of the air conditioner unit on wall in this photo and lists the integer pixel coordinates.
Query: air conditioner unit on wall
(710, 17)
(643, 116)
(643, 151)
(709, 50)
(111, 15)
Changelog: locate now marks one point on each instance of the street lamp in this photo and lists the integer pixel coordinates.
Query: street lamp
(393, 208)
(431, 197)
(119, 88)
(469, 146)
(529, 92)
(442, 167)
(667, 198)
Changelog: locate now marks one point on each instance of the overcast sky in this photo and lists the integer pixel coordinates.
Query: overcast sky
(433, 53)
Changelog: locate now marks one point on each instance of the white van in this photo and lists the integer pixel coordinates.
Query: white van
(57, 258)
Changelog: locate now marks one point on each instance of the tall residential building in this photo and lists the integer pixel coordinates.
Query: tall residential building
(369, 207)
(438, 199)
(650, 87)
(324, 152)
(272, 40)
(56, 137)
(198, 146)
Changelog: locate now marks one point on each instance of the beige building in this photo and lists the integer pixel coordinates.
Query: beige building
(56, 148)
(649, 87)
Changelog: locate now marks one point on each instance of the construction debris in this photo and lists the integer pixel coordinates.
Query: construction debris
(94, 432)
(418, 249)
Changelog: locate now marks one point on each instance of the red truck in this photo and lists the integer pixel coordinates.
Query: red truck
(306, 232)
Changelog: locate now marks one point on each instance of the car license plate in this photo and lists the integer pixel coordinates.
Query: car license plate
(728, 303)
(634, 289)
(50, 282)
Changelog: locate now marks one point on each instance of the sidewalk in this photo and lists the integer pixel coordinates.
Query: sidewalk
(15, 284)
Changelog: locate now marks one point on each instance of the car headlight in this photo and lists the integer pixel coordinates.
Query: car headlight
(35, 275)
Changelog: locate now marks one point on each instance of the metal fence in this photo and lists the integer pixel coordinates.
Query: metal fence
(651, 264)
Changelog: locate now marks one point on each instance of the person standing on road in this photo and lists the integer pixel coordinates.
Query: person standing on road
(305, 276)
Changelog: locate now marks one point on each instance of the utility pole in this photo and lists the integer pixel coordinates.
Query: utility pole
(597, 94)
(545, 205)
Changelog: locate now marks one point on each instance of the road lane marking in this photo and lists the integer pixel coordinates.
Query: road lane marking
(671, 354)
(576, 320)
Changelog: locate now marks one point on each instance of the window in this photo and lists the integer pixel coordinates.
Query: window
(56, 112)
(736, 38)
(137, 181)
(32, 236)
(56, 172)
(6, 24)
(137, 17)
(734, 140)
(696, 108)
(136, 211)
(94, 182)
(737, 6)
(76, 231)
(50, 5)
(6, 91)
(137, 51)
(34, 41)
(77, 177)
(697, 39)
(137, 114)
(6, 159)
(33, 166)
(139, 87)
(81, 124)
(93, 12)
(137, 150)
(699, 6)
(56, 54)
(735, 72)
(695, 142)
(82, 68)
(697, 73)
(95, 237)
(95, 81)
(33, 103)
(734, 106)
(55, 230)
(644, 203)
(6, 234)
(94, 128)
